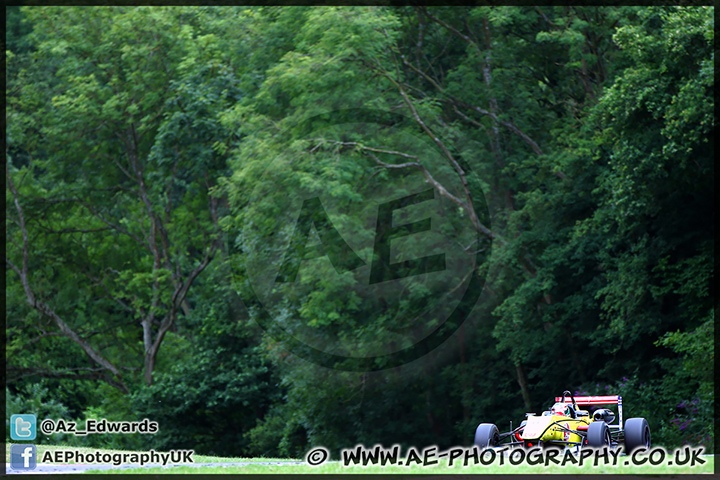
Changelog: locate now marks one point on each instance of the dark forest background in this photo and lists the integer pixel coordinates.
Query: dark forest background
(136, 142)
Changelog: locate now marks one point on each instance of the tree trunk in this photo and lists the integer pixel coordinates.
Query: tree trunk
(522, 381)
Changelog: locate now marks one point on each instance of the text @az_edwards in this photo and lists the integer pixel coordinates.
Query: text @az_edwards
(92, 426)
(377, 455)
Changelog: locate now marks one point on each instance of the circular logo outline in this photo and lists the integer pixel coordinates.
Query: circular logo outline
(379, 362)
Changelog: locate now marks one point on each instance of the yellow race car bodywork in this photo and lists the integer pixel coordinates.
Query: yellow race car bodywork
(554, 428)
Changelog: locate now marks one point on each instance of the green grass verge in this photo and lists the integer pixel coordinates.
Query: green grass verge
(440, 468)
(336, 468)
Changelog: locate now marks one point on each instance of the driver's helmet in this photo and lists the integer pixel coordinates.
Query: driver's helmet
(561, 409)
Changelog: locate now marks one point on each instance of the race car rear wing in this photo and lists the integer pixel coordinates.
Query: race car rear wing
(598, 400)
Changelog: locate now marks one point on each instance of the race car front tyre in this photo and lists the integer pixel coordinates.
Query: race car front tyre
(637, 434)
(598, 435)
(487, 435)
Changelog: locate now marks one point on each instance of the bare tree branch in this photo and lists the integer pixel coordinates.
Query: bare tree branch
(177, 299)
(492, 113)
(370, 151)
(114, 225)
(44, 308)
(457, 102)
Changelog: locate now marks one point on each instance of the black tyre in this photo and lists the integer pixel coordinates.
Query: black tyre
(637, 434)
(598, 435)
(487, 435)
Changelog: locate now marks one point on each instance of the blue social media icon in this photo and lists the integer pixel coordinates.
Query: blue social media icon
(23, 457)
(23, 427)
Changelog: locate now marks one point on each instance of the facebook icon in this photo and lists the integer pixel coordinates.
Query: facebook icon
(23, 457)
(23, 427)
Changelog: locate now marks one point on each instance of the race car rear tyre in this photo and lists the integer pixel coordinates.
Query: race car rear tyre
(487, 435)
(637, 434)
(598, 435)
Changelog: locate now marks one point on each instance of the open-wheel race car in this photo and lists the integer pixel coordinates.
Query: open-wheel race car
(565, 425)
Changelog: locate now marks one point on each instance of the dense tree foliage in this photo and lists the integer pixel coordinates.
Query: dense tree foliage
(159, 160)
